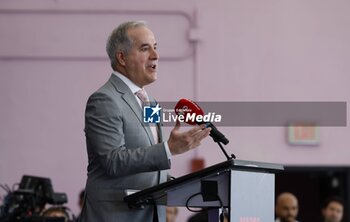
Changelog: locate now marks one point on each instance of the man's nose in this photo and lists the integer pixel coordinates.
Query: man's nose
(154, 54)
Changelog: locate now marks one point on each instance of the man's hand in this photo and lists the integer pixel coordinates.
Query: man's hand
(180, 142)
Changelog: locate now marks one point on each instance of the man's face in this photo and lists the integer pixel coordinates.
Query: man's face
(333, 212)
(287, 210)
(141, 63)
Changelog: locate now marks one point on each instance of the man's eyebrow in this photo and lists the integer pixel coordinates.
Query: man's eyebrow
(147, 44)
(144, 44)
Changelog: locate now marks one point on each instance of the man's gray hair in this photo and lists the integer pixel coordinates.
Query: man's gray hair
(119, 40)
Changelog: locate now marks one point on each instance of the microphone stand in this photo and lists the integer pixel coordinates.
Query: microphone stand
(224, 151)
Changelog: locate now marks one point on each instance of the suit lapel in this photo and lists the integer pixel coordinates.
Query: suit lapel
(130, 99)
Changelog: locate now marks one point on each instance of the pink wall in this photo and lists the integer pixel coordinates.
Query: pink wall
(52, 58)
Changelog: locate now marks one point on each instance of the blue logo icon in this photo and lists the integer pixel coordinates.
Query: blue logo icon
(151, 114)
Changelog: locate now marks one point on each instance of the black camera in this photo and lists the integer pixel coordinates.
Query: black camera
(27, 202)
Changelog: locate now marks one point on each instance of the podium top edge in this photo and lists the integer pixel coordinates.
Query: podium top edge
(254, 164)
(243, 165)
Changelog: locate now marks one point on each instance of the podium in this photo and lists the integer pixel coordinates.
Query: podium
(246, 189)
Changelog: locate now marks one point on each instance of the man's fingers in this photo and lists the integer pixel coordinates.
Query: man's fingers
(202, 134)
(196, 130)
(177, 125)
(182, 142)
(198, 137)
(201, 131)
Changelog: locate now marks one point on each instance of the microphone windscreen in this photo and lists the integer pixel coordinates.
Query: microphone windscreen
(188, 107)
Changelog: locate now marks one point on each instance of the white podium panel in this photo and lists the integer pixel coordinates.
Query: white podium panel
(245, 188)
(252, 196)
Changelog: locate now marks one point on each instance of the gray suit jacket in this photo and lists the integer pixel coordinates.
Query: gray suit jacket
(122, 155)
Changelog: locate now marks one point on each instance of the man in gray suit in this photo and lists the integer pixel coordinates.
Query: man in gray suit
(123, 152)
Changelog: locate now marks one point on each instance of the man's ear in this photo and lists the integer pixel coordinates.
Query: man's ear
(120, 58)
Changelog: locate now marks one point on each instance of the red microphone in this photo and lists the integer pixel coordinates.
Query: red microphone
(188, 108)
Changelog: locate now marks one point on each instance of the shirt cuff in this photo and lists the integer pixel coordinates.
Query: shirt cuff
(168, 153)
